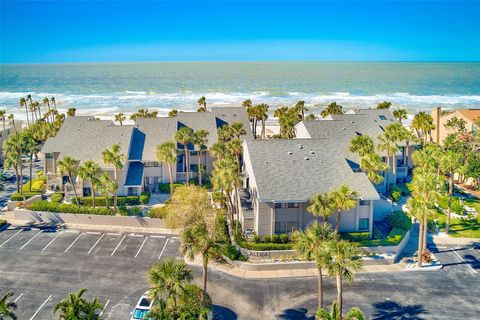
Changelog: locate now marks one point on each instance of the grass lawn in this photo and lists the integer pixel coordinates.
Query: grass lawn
(463, 228)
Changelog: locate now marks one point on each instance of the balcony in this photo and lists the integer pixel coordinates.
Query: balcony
(182, 176)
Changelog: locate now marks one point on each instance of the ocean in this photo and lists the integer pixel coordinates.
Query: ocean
(103, 89)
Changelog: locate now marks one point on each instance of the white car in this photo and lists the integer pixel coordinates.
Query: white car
(143, 307)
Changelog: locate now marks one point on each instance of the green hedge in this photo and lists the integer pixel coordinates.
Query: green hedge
(67, 208)
(398, 219)
(394, 237)
(19, 197)
(157, 212)
(355, 236)
(57, 197)
(100, 201)
(144, 197)
(233, 253)
(165, 187)
(265, 246)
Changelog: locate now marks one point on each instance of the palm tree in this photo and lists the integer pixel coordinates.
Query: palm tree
(362, 145)
(23, 103)
(262, 115)
(333, 108)
(390, 147)
(74, 306)
(312, 245)
(120, 117)
(205, 241)
(238, 129)
(46, 102)
(218, 150)
(450, 161)
(106, 185)
(247, 104)
(394, 134)
(69, 166)
(11, 118)
(14, 148)
(400, 114)
(184, 136)
(384, 105)
(115, 158)
(200, 141)
(167, 153)
(168, 279)
(225, 133)
(321, 205)
(342, 261)
(423, 123)
(31, 148)
(372, 164)
(2, 116)
(334, 314)
(225, 177)
(7, 307)
(343, 199)
(235, 148)
(202, 105)
(300, 106)
(54, 102)
(173, 113)
(90, 170)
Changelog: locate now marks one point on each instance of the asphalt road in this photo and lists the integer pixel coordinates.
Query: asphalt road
(43, 267)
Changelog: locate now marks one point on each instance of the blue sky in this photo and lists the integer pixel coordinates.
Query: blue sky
(68, 31)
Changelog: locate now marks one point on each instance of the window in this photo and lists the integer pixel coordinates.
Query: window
(152, 164)
(293, 205)
(278, 205)
(364, 202)
(87, 192)
(363, 224)
(285, 226)
(382, 117)
(280, 227)
(292, 226)
(49, 155)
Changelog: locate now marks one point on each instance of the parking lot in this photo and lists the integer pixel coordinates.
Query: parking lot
(43, 266)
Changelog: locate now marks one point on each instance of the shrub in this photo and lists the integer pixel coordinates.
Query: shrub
(67, 208)
(275, 238)
(19, 197)
(233, 253)
(284, 238)
(135, 211)
(144, 197)
(157, 212)
(57, 197)
(37, 185)
(100, 201)
(265, 246)
(355, 236)
(40, 174)
(256, 238)
(165, 187)
(267, 239)
(398, 219)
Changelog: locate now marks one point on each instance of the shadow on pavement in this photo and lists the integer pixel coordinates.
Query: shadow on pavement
(395, 311)
(221, 313)
(295, 314)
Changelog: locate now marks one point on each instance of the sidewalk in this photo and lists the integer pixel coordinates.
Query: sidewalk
(292, 273)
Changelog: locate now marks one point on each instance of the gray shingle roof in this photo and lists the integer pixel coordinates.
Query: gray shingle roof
(157, 131)
(84, 138)
(285, 172)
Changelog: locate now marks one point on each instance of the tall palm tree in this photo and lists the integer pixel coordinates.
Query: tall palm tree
(46, 102)
(200, 141)
(3, 116)
(7, 307)
(423, 125)
(342, 262)
(235, 148)
(173, 113)
(343, 199)
(238, 130)
(384, 105)
(394, 135)
(225, 178)
(449, 163)
(218, 150)
(167, 153)
(262, 115)
(334, 314)
(225, 133)
(71, 112)
(115, 158)
(23, 103)
(11, 118)
(74, 306)
(184, 136)
(312, 245)
(390, 147)
(400, 114)
(168, 279)
(14, 148)
(120, 117)
(247, 104)
(90, 170)
(321, 205)
(372, 164)
(31, 148)
(199, 239)
(332, 108)
(69, 166)
(362, 145)
(300, 106)
(202, 104)
(106, 186)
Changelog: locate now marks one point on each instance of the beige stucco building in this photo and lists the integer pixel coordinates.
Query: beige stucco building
(440, 120)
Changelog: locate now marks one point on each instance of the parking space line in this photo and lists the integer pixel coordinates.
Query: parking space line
(72, 231)
(163, 249)
(43, 304)
(30, 240)
(96, 243)
(104, 307)
(118, 245)
(1, 245)
(93, 232)
(136, 235)
(73, 242)
(52, 241)
(156, 236)
(466, 263)
(114, 234)
(19, 297)
(175, 238)
(140, 249)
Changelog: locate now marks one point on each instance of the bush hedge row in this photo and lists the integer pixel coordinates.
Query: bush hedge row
(394, 237)
(144, 197)
(37, 185)
(398, 219)
(57, 197)
(165, 187)
(19, 197)
(355, 236)
(67, 208)
(100, 201)
(265, 246)
(157, 212)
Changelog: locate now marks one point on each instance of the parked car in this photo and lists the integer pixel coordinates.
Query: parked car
(142, 308)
